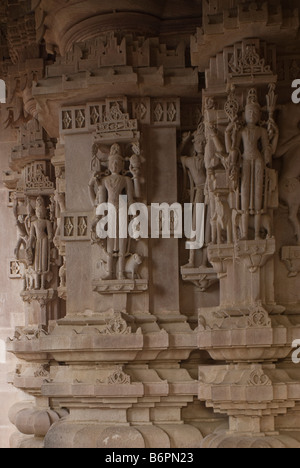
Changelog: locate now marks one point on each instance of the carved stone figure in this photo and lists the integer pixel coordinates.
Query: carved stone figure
(108, 190)
(29, 279)
(288, 149)
(22, 231)
(23, 223)
(132, 265)
(39, 243)
(62, 275)
(266, 225)
(194, 170)
(214, 154)
(135, 168)
(224, 220)
(256, 156)
(60, 208)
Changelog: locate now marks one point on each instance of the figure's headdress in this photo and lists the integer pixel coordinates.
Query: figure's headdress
(252, 99)
(40, 205)
(199, 134)
(199, 137)
(115, 153)
(115, 150)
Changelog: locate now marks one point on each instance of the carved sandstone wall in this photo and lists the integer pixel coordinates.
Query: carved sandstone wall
(142, 343)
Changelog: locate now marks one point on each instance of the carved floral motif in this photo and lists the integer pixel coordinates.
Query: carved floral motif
(119, 377)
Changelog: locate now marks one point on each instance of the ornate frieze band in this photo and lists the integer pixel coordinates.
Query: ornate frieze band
(111, 116)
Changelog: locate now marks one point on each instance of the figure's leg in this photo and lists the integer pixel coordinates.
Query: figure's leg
(293, 217)
(37, 281)
(259, 182)
(257, 225)
(110, 258)
(245, 198)
(122, 257)
(219, 232)
(213, 218)
(229, 231)
(17, 249)
(207, 238)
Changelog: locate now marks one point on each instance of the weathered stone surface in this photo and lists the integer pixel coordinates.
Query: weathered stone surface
(141, 343)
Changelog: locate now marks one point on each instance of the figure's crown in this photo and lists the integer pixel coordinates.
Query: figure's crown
(252, 98)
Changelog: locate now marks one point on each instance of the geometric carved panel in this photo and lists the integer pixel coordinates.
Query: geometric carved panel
(15, 270)
(76, 227)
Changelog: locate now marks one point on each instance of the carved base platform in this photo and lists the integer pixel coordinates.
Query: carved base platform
(225, 439)
(74, 434)
(252, 337)
(253, 395)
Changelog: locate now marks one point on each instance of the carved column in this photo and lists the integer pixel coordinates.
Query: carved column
(247, 331)
(112, 103)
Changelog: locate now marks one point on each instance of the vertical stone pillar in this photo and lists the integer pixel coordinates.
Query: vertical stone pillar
(111, 356)
(247, 330)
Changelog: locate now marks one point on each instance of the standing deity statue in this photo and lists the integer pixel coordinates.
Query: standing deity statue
(194, 171)
(39, 243)
(255, 146)
(213, 156)
(135, 168)
(108, 189)
(60, 208)
(21, 227)
(23, 223)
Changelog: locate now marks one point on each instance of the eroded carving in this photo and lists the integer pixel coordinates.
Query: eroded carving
(119, 377)
(194, 180)
(288, 150)
(39, 245)
(116, 326)
(290, 255)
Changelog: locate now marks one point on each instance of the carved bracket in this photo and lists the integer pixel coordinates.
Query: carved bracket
(218, 255)
(255, 254)
(202, 278)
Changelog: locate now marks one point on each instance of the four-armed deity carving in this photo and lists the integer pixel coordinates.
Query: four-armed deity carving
(109, 182)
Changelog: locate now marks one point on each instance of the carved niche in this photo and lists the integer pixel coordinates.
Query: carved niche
(116, 171)
(36, 258)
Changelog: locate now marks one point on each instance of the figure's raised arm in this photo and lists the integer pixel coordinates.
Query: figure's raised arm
(273, 133)
(94, 188)
(267, 147)
(49, 231)
(213, 134)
